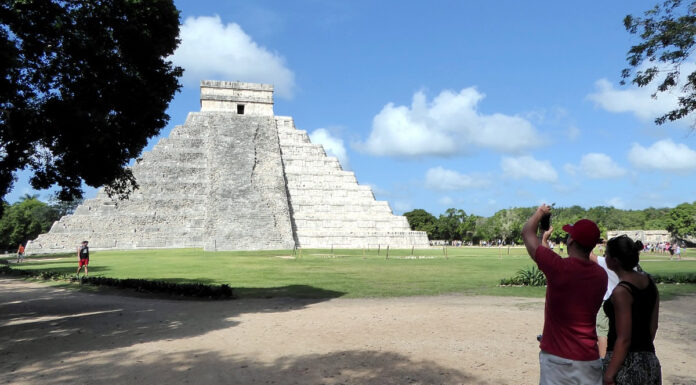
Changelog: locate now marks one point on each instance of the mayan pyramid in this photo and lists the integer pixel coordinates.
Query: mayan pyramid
(235, 177)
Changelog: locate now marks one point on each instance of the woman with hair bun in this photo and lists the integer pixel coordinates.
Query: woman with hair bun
(633, 311)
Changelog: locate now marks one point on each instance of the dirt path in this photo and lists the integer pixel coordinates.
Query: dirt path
(56, 336)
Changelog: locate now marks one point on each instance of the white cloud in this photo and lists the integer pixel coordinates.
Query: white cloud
(639, 100)
(573, 132)
(663, 155)
(600, 166)
(616, 202)
(210, 50)
(571, 169)
(333, 145)
(528, 167)
(446, 201)
(441, 179)
(448, 125)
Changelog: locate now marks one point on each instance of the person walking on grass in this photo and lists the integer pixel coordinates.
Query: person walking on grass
(83, 255)
(574, 292)
(20, 253)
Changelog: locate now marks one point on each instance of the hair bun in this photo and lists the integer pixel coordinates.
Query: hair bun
(638, 245)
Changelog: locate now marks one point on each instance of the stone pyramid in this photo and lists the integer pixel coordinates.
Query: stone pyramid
(235, 177)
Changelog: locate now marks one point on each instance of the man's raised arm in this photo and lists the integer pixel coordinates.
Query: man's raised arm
(529, 230)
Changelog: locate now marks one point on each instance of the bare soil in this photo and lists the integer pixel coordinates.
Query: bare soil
(51, 335)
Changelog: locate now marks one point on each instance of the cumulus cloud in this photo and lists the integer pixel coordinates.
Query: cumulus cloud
(445, 201)
(211, 50)
(616, 202)
(600, 166)
(639, 100)
(333, 145)
(441, 179)
(528, 167)
(663, 155)
(450, 124)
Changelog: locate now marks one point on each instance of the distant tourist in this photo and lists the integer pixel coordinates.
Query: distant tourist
(83, 255)
(20, 253)
(633, 315)
(678, 252)
(574, 292)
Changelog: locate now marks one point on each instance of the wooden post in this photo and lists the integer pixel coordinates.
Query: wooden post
(412, 246)
(378, 247)
(387, 252)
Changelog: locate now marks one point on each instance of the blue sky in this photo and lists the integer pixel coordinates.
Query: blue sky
(475, 105)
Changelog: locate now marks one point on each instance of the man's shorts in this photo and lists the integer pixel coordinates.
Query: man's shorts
(558, 370)
(602, 323)
(84, 262)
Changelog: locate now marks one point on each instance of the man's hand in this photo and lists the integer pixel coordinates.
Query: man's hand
(529, 230)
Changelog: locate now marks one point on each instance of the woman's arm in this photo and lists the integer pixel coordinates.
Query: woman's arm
(622, 300)
(655, 315)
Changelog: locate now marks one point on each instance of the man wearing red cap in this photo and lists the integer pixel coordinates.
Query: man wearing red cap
(574, 292)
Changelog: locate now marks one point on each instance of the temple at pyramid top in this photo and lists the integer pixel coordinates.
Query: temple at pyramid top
(251, 99)
(235, 177)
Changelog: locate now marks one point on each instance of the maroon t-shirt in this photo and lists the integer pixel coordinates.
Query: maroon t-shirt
(574, 292)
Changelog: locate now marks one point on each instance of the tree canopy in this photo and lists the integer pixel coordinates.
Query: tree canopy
(667, 37)
(25, 220)
(83, 85)
(506, 224)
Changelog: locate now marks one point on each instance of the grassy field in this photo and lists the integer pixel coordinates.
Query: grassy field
(339, 273)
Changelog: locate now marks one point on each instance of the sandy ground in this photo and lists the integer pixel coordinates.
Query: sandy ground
(56, 336)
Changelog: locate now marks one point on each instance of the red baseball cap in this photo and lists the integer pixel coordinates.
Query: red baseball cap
(584, 232)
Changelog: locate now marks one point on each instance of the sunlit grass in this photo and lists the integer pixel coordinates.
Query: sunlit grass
(328, 273)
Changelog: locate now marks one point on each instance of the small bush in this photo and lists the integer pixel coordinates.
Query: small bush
(141, 285)
(674, 278)
(526, 277)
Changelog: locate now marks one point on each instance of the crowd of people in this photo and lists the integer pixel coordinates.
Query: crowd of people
(601, 313)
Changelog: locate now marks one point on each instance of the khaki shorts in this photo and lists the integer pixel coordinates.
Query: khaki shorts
(557, 370)
(602, 323)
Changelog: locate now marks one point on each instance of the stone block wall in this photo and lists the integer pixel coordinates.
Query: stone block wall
(230, 181)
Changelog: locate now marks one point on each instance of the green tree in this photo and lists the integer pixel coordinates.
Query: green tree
(448, 224)
(25, 220)
(421, 220)
(682, 221)
(667, 36)
(83, 85)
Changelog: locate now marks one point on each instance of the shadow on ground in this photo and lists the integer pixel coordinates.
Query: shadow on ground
(202, 367)
(41, 324)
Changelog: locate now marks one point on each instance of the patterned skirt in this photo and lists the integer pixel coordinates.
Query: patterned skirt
(639, 368)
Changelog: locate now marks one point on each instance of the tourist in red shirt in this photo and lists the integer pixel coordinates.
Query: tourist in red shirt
(575, 290)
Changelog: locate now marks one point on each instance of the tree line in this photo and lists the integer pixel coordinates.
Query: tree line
(506, 225)
(28, 217)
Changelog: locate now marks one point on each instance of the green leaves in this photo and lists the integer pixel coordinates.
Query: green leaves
(83, 85)
(667, 34)
(530, 276)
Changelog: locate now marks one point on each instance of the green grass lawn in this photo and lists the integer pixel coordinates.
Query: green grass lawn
(346, 273)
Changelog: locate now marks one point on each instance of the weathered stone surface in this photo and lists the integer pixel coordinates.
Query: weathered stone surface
(235, 178)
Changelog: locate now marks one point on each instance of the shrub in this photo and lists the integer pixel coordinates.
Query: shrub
(526, 277)
(141, 285)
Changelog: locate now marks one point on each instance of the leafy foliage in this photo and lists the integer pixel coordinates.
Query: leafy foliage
(682, 220)
(506, 224)
(674, 278)
(83, 85)
(526, 277)
(667, 33)
(141, 285)
(25, 220)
